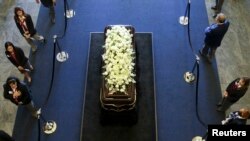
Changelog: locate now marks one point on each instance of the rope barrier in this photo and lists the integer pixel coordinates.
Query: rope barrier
(65, 6)
(55, 45)
(196, 65)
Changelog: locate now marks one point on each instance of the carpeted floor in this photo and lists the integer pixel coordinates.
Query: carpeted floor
(175, 99)
(145, 127)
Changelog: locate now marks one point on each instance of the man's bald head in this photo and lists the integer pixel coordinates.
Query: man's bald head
(220, 18)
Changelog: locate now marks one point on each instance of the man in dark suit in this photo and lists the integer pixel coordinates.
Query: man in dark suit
(213, 36)
(51, 5)
(237, 117)
(217, 7)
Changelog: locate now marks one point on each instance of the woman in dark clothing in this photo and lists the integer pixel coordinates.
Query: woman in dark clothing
(26, 27)
(234, 91)
(19, 94)
(18, 59)
(51, 5)
(237, 117)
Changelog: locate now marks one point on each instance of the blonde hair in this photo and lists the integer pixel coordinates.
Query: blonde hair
(244, 113)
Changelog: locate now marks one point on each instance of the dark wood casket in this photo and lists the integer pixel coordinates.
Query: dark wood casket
(119, 101)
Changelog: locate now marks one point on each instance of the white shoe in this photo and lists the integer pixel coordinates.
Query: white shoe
(37, 113)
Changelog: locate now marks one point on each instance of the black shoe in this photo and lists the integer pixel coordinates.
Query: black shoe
(31, 68)
(219, 104)
(202, 54)
(37, 113)
(214, 7)
(34, 49)
(209, 60)
(29, 81)
(44, 41)
(214, 16)
(206, 57)
(219, 110)
(53, 20)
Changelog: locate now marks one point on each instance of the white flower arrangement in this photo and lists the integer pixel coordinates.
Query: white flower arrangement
(118, 58)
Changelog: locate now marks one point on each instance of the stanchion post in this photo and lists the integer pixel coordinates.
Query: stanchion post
(189, 77)
(198, 138)
(49, 126)
(69, 13)
(184, 20)
(62, 56)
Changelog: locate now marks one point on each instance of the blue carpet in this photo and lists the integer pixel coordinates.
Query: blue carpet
(177, 120)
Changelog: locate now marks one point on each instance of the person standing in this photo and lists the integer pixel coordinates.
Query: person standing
(51, 5)
(217, 7)
(234, 91)
(18, 59)
(237, 117)
(213, 36)
(19, 94)
(26, 27)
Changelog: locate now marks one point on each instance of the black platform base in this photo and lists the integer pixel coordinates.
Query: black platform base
(136, 125)
(118, 118)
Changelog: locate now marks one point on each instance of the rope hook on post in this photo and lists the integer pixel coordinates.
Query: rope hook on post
(49, 126)
(183, 20)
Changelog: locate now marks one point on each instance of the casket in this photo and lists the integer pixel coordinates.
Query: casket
(118, 101)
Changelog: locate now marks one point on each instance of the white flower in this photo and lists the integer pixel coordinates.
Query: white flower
(118, 59)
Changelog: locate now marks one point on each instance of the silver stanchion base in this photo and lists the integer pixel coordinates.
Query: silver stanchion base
(183, 20)
(70, 13)
(189, 77)
(197, 138)
(62, 56)
(49, 127)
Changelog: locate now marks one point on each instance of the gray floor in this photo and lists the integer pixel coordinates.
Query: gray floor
(231, 57)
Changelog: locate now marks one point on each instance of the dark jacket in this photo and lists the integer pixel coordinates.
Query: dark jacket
(234, 118)
(215, 33)
(23, 99)
(235, 94)
(47, 3)
(29, 23)
(22, 59)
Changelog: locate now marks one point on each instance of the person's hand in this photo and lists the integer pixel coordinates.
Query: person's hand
(16, 94)
(20, 68)
(38, 1)
(26, 35)
(225, 94)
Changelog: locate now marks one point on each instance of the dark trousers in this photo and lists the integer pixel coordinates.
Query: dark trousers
(52, 11)
(208, 50)
(32, 108)
(225, 104)
(218, 5)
